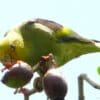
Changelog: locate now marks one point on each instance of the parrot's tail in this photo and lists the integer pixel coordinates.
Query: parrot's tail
(97, 43)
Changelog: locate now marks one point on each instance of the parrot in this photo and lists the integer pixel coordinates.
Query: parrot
(31, 39)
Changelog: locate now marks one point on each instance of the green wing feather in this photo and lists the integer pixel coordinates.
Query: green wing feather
(39, 37)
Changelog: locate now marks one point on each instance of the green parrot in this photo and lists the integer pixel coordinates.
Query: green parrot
(35, 38)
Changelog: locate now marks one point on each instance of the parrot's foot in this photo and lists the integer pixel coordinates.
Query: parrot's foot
(8, 65)
(49, 58)
(46, 62)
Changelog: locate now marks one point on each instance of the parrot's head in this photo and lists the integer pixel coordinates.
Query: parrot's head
(4, 46)
(7, 53)
(9, 46)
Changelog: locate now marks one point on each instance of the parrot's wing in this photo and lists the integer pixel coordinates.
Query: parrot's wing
(50, 24)
(55, 27)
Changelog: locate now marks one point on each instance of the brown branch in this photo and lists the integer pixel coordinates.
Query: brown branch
(26, 97)
(80, 87)
(81, 78)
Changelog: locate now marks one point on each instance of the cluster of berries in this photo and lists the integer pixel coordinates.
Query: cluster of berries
(51, 81)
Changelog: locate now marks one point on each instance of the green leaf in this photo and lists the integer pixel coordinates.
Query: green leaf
(98, 70)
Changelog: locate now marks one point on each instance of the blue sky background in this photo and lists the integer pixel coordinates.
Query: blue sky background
(83, 16)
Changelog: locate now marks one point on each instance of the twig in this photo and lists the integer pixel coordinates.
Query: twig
(30, 92)
(80, 87)
(26, 97)
(81, 78)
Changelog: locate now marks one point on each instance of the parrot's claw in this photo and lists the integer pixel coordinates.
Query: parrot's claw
(9, 65)
(5, 68)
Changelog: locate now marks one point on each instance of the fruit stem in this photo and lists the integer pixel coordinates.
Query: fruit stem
(32, 91)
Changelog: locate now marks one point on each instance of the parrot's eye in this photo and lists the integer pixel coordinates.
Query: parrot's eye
(13, 47)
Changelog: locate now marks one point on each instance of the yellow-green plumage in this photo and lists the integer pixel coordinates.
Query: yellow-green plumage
(33, 39)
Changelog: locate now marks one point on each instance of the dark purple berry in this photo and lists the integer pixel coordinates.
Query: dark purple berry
(54, 85)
